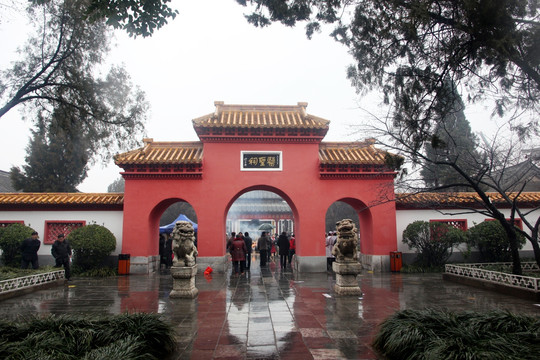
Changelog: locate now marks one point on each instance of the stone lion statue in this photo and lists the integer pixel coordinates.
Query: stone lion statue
(345, 248)
(183, 236)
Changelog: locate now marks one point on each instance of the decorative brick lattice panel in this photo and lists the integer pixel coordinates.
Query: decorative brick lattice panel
(53, 228)
(9, 222)
(457, 223)
(475, 271)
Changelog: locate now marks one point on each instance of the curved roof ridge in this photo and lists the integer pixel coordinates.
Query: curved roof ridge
(260, 116)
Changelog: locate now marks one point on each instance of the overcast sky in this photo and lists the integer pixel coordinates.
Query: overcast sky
(208, 53)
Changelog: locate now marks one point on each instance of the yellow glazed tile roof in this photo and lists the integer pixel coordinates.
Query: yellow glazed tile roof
(163, 153)
(260, 116)
(41, 199)
(459, 198)
(351, 153)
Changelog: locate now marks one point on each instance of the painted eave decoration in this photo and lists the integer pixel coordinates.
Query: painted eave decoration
(108, 201)
(430, 200)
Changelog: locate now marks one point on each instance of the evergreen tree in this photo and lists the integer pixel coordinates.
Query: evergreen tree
(452, 142)
(57, 158)
(117, 185)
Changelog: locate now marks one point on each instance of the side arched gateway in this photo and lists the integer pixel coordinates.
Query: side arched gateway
(246, 147)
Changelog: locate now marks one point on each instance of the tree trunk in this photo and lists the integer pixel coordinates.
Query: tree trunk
(514, 250)
(534, 242)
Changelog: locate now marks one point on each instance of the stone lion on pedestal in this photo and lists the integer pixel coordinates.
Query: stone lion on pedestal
(184, 249)
(345, 248)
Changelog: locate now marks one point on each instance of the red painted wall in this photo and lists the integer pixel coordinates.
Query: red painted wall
(222, 182)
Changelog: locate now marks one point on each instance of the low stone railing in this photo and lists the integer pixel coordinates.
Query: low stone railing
(476, 271)
(30, 281)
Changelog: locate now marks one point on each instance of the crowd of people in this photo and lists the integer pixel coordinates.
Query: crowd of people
(240, 247)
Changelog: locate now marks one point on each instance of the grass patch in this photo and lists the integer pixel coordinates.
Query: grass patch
(434, 334)
(416, 269)
(98, 272)
(7, 273)
(126, 336)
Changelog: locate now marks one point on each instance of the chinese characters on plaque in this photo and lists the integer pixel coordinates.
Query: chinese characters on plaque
(261, 160)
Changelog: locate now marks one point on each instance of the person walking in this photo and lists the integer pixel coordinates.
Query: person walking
(283, 244)
(61, 251)
(269, 242)
(249, 243)
(329, 246)
(292, 248)
(262, 245)
(29, 249)
(230, 240)
(273, 248)
(238, 252)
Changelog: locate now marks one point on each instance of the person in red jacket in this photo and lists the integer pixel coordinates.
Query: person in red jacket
(238, 252)
(292, 248)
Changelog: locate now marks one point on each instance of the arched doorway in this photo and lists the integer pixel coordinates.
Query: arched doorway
(178, 211)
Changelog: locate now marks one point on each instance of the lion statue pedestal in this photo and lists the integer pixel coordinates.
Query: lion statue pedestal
(346, 265)
(184, 267)
(184, 282)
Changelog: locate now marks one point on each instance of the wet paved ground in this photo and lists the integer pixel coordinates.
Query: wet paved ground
(266, 314)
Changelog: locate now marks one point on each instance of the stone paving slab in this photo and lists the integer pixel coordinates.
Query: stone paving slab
(266, 313)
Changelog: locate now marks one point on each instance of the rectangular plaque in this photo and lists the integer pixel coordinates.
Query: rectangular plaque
(261, 161)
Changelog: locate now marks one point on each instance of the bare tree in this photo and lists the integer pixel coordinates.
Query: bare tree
(492, 186)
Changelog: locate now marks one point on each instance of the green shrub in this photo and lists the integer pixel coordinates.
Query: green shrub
(492, 242)
(98, 272)
(434, 334)
(91, 245)
(433, 241)
(11, 239)
(126, 336)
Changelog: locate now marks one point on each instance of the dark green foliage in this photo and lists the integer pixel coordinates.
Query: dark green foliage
(136, 17)
(56, 159)
(176, 209)
(433, 334)
(91, 245)
(10, 243)
(452, 143)
(492, 242)
(127, 336)
(340, 210)
(433, 241)
(117, 185)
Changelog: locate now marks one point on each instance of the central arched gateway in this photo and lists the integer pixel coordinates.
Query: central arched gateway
(248, 147)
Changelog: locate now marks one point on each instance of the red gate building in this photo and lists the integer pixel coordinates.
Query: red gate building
(252, 147)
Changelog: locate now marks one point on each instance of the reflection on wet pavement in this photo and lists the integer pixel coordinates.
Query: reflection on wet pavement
(265, 314)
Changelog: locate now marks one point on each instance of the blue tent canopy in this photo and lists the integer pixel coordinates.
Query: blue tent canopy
(167, 229)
